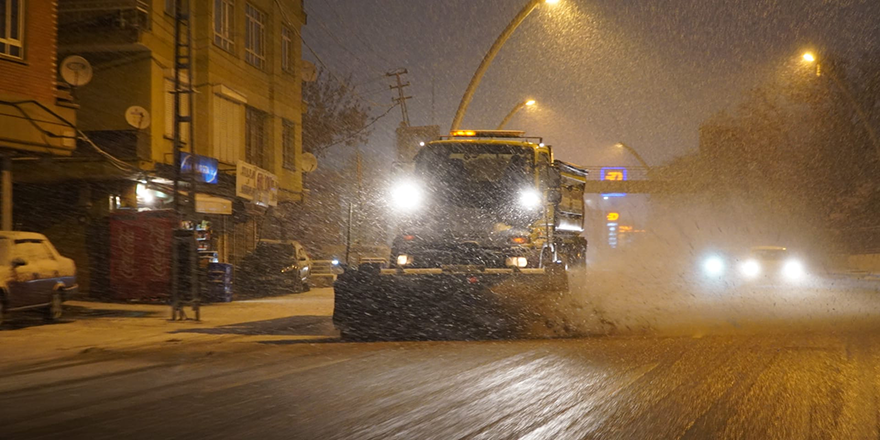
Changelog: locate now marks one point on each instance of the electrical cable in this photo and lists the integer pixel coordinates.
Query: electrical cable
(317, 57)
(116, 162)
(339, 43)
(362, 130)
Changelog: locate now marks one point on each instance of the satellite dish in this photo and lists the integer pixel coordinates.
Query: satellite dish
(76, 71)
(309, 162)
(138, 117)
(309, 72)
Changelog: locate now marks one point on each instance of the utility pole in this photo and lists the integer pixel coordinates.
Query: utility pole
(352, 204)
(6, 183)
(184, 255)
(401, 98)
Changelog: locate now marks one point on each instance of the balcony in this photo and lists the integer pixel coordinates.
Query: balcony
(90, 23)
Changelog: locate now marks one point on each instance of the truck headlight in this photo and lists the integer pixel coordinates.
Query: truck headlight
(404, 259)
(750, 268)
(406, 196)
(529, 198)
(793, 270)
(516, 262)
(713, 266)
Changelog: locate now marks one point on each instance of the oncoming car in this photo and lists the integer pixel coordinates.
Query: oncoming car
(770, 263)
(35, 275)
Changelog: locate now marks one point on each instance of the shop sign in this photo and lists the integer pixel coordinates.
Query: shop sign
(256, 184)
(207, 204)
(205, 167)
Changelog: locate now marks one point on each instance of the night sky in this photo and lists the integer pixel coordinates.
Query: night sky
(645, 72)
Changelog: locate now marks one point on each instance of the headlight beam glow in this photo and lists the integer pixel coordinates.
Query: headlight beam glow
(713, 266)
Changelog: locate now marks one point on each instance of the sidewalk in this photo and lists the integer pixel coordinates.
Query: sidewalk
(857, 274)
(99, 326)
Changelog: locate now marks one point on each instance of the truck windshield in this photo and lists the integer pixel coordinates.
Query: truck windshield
(474, 174)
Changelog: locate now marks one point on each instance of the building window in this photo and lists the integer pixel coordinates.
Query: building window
(171, 7)
(12, 28)
(255, 137)
(228, 125)
(255, 36)
(288, 144)
(224, 24)
(286, 50)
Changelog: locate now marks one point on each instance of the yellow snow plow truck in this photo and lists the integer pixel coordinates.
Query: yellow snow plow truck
(489, 224)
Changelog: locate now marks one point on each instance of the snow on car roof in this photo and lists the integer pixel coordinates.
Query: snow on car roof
(20, 235)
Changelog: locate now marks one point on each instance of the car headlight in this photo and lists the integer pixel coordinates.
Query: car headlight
(334, 262)
(713, 266)
(529, 198)
(404, 259)
(406, 196)
(516, 262)
(750, 268)
(793, 270)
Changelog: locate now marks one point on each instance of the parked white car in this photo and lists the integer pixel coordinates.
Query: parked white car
(34, 275)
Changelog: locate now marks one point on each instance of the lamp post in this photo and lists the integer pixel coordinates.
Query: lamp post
(634, 154)
(810, 58)
(518, 107)
(490, 55)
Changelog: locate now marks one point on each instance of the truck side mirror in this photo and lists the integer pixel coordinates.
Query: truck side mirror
(18, 262)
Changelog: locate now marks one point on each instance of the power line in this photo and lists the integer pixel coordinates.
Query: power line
(363, 41)
(315, 54)
(339, 43)
(362, 130)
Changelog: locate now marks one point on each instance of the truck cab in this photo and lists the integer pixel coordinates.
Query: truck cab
(491, 199)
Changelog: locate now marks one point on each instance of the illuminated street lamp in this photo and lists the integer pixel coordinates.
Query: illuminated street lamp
(490, 55)
(518, 107)
(634, 153)
(810, 58)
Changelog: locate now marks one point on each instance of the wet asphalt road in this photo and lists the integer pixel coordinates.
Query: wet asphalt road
(806, 385)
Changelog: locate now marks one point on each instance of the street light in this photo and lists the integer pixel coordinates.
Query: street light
(635, 154)
(809, 57)
(490, 55)
(518, 107)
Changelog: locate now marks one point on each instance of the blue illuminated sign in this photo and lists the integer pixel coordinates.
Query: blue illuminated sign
(612, 173)
(205, 167)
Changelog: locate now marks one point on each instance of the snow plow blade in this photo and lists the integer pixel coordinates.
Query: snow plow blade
(447, 304)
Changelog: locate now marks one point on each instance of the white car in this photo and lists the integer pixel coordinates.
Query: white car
(772, 263)
(34, 274)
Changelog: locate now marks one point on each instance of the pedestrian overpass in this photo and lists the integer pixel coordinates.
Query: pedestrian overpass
(628, 180)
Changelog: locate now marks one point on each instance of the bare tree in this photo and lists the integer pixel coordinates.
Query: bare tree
(336, 114)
